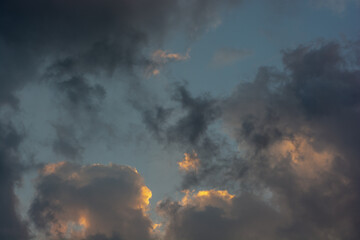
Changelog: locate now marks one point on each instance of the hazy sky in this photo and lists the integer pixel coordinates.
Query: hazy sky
(179, 119)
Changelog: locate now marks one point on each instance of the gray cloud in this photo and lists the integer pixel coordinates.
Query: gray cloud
(66, 143)
(298, 135)
(299, 130)
(220, 216)
(12, 227)
(91, 202)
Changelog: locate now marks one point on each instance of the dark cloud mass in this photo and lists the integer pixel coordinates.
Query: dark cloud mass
(66, 43)
(290, 153)
(220, 216)
(300, 132)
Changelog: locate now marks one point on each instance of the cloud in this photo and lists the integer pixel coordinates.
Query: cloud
(214, 214)
(12, 227)
(297, 174)
(160, 57)
(299, 133)
(66, 144)
(73, 46)
(82, 37)
(91, 202)
(227, 56)
(190, 162)
(188, 125)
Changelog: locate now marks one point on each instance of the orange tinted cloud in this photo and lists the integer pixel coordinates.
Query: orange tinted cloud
(306, 162)
(51, 168)
(164, 56)
(81, 202)
(161, 57)
(203, 198)
(190, 162)
(144, 198)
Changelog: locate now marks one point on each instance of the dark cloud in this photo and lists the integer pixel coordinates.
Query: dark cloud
(11, 225)
(66, 143)
(91, 202)
(300, 133)
(298, 169)
(199, 113)
(219, 215)
(186, 125)
(81, 95)
(91, 36)
(76, 46)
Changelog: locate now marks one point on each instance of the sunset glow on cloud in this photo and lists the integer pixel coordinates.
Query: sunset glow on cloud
(179, 120)
(190, 162)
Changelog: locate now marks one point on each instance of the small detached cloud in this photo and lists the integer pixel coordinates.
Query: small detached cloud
(190, 162)
(161, 57)
(227, 56)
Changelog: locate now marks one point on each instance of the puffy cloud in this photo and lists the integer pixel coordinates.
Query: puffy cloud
(215, 214)
(299, 133)
(91, 202)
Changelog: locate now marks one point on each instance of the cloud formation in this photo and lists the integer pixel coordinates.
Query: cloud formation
(91, 202)
(298, 134)
(214, 214)
(299, 131)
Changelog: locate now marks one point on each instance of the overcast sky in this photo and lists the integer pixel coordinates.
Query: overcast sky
(179, 119)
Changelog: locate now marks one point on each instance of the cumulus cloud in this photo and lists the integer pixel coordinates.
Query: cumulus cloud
(91, 202)
(216, 214)
(73, 46)
(299, 132)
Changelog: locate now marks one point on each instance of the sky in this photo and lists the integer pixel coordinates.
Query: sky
(179, 119)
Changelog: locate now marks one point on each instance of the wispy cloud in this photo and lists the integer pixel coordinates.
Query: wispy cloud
(227, 56)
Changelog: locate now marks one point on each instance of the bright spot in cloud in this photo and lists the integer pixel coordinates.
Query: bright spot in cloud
(190, 162)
